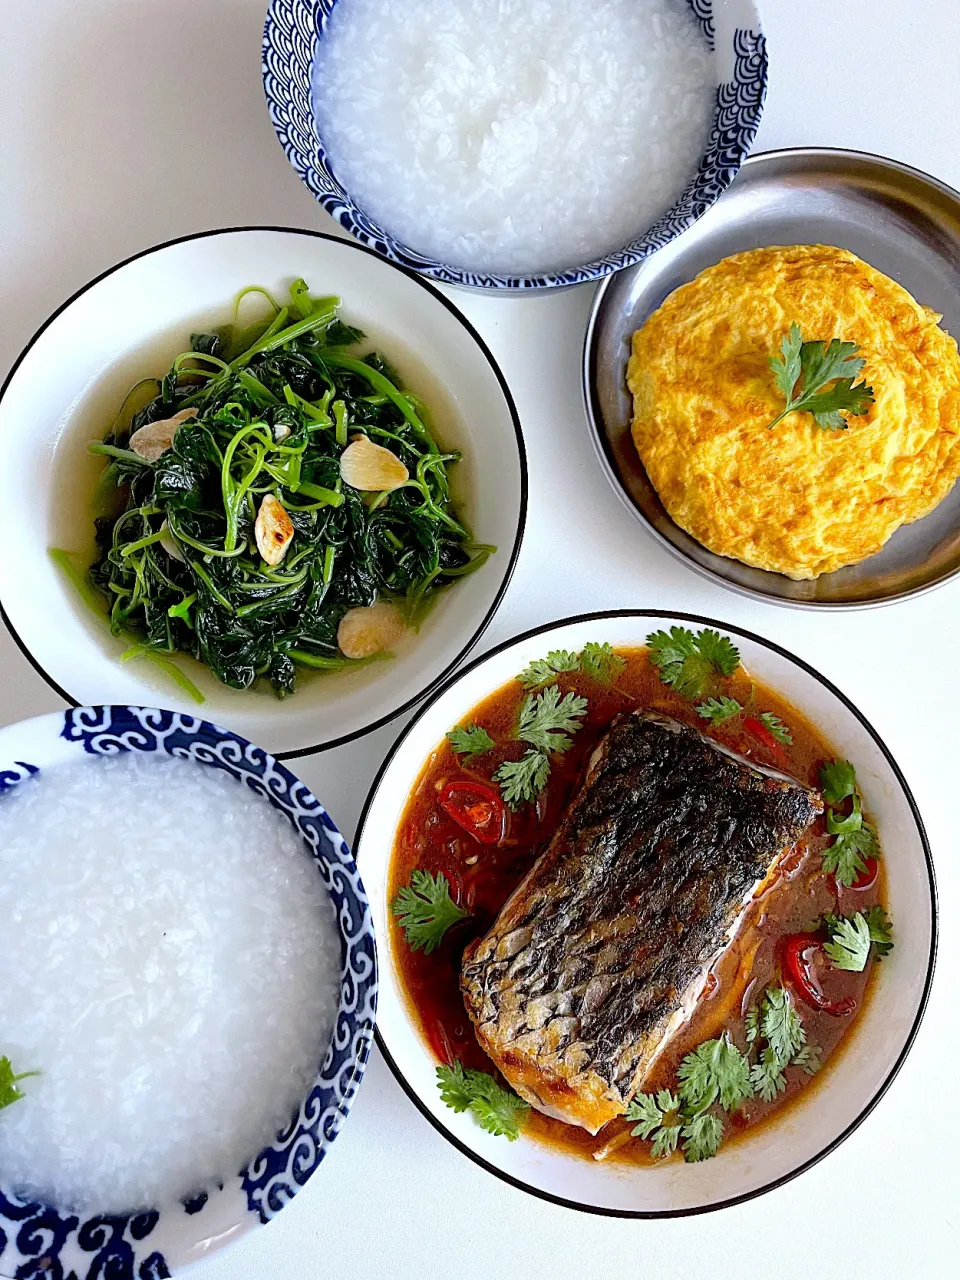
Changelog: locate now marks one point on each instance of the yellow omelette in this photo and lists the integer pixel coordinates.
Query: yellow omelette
(795, 499)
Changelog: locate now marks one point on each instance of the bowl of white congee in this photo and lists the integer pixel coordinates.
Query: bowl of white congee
(188, 997)
(520, 144)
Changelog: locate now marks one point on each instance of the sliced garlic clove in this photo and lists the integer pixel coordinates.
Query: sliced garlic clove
(170, 544)
(369, 630)
(280, 432)
(365, 465)
(273, 529)
(152, 441)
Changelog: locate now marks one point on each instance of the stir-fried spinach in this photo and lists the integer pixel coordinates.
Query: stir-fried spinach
(276, 407)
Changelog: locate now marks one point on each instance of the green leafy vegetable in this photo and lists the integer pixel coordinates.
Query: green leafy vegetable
(856, 839)
(751, 1024)
(688, 662)
(600, 662)
(849, 945)
(881, 933)
(781, 1025)
(645, 1110)
(470, 740)
(846, 857)
(838, 780)
(775, 1019)
(595, 660)
(810, 1059)
(546, 719)
(497, 1110)
(719, 710)
(178, 560)
(702, 1135)
(658, 1119)
(767, 1076)
(820, 364)
(9, 1093)
(521, 781)
(715, 1071)
(546, 722)
(544, 669)
(852, 936)
(777, 727)
(426, 911)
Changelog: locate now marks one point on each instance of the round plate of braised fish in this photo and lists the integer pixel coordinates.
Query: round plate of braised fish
(656, 913)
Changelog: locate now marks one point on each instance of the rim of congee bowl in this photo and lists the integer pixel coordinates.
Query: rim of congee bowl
(733, 30)
(149, 1243)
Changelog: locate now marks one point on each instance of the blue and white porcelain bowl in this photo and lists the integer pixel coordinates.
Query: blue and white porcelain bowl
(732, 28)
(44, 1242)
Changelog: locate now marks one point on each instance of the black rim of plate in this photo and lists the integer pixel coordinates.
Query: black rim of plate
(488, 355)
(697, 619)
(601, 442)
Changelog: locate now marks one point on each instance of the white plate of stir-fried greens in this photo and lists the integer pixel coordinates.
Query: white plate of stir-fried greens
(260, 471)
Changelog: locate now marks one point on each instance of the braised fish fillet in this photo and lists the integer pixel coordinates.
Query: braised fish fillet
(601, 952)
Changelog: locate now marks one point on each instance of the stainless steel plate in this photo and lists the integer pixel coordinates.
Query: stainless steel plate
(902, 222)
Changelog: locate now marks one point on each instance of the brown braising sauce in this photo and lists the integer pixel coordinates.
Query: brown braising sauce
(483, 876)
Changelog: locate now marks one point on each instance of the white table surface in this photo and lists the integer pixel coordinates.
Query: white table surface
(126, 122)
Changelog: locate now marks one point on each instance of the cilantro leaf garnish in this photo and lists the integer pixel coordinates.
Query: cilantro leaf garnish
(775, 1019)
(810, 1059)
(702, 1136)
(544, 669)
(647, 1114)
(849, 945)
(688, 662)
(838, 780)
(546, 719)
(595, 660)
(658, 1120)
(776, 727)
(751, 1024)
(851, 938)
(767, 1076)
(665, 1140)
(881, 932)
(546, 722)
(523, 780)
(846, 857)
(715, 1071)
(780, 1024)
(9, 1093)
(470, 740)
(497, 1110)
(600, 662)
(856, 839)
(820, 364)
(719, 710)
(425, 910)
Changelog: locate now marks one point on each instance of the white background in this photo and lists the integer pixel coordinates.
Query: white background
(126, 122)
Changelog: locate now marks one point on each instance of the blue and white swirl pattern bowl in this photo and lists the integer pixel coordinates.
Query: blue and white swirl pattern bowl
(732, 28)
(43, 1242)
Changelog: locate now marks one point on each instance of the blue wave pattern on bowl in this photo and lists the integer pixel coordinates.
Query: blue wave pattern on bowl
(290, 36)
(40, 1242)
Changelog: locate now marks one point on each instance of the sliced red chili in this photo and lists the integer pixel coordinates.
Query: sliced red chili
(476, 807)
(867, 877)
(757, 729)
(799, 966)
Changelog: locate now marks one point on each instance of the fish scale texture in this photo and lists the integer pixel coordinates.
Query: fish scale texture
(595, 957)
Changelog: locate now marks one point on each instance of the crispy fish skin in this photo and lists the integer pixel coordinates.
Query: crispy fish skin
(599, 955)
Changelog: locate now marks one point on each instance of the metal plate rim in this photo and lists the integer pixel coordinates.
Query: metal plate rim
(594, 414)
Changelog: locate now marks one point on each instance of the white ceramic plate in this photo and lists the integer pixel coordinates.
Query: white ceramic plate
(855, 1082)
(68, 384)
